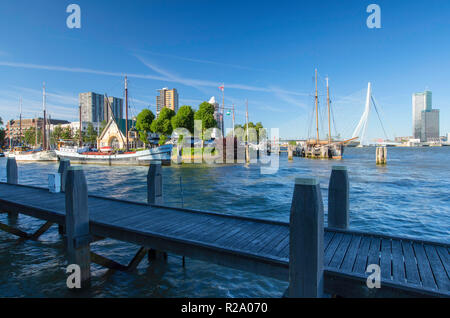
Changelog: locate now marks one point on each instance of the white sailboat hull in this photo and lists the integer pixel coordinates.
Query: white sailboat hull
(139, 158)
(39, 156)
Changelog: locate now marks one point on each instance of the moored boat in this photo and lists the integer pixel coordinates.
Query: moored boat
(137, 158)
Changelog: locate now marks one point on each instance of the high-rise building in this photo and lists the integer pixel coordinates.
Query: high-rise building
(95, 109)
(420, 102)
(429, 125)
(167, 98)
(116, 105)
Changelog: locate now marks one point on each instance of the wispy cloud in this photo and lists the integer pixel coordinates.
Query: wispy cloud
(59, 105)
(203, 61)
(172, 78)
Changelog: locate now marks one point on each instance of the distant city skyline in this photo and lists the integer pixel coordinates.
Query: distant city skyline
(265, 53)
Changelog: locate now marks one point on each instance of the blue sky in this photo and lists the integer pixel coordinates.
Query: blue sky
(264, 51)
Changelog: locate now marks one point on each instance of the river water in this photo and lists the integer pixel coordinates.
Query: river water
(408, 197)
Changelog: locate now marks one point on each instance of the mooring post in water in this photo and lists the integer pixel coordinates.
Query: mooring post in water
(12, 177)
(306, 240)
(155, 197)
(77, 223)
(338, 198)
(381, 155)
(64, 165)
(290, 152)
(154, 184)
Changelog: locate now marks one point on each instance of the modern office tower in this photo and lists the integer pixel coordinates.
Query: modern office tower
(429, 125)
(420, 102)
(166, 98)
(94, 108)
(116, 105)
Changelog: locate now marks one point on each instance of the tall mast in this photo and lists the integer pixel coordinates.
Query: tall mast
(20, 121)
(80, 133)
(44, 128)
(36, 131)
(317, 112)
(329, 122)
(126, 111)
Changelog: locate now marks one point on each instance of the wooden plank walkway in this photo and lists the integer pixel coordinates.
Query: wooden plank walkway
(408, 267)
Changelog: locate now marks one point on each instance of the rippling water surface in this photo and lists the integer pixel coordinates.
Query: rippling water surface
(409, 197)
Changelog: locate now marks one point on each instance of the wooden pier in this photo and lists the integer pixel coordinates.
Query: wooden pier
(313, 259)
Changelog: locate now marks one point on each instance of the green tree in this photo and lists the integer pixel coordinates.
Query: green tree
(205, 113)
(162, 125)
(184, 118)
(144, 124)
(162, 140)
(30, 136)
(2, 136)
(67, 133)
(76, 136)
(91, 135)
(56, 134)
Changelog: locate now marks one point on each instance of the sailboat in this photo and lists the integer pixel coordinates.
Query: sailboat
(323, 149)
(110, 157)
(39, 155)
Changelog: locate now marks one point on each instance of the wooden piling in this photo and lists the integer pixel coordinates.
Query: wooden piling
(290, 152)
(306, 240)
(12, 177)
(154, 184)
(338, 198)
(64, 165)
(381, 155)
(77, 223)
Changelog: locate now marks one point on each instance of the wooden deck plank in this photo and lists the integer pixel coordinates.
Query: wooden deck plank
(374, 252)
(361, 259)
(442, 279)
(398, 265)
(352, 252)
(339, 255)
(412, 272)
(332, 247)
(268, 249)
(445, 258)
(385, 261)
(425, 272)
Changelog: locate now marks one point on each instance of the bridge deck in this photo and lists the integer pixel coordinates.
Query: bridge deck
(408, 267)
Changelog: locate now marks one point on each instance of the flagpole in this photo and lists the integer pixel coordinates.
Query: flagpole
(223, 107)
(233, 120)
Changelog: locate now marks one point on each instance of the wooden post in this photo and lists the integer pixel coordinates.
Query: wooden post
(77, 223)
(306, 240)
(338, 198)
(154, 184)
(381, 155)
(290, 152)
(64, 165)
(12, 177)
